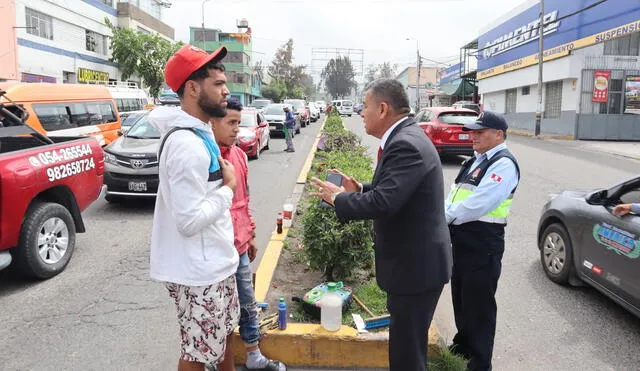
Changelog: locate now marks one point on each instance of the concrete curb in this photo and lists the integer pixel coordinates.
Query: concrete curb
(310, 345)
(525, 133)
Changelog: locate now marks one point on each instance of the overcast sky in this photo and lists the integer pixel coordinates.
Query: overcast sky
(379, 27)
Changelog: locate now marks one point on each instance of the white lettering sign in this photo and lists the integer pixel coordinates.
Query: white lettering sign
(521, 35)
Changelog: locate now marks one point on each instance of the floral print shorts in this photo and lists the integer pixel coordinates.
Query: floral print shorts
(207, 315)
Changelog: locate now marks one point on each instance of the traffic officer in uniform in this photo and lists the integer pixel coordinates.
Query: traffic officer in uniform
(476, 210)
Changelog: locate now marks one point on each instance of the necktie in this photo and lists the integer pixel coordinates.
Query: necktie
(379, 153)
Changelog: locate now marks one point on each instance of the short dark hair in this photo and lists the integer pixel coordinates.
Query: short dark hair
(234, 105)
(201, 74)
(392, 92)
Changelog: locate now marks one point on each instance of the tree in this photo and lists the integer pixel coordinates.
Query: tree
(142, 54)
(371, 74)
(387, 71)
(276, 90)
(293, 76)
(339, 77)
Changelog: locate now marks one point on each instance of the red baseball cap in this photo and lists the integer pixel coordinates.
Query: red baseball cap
(186, 61)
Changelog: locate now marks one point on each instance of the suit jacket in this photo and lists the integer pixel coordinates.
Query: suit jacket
(406, 201)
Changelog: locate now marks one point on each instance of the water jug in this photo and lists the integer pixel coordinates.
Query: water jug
(331, 308)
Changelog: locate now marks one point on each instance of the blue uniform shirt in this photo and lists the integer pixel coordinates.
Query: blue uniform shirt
(290, 120)
(490, 192)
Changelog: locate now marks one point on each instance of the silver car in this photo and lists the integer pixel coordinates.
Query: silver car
(131, 162)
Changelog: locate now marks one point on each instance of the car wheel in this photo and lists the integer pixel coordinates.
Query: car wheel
(266, 146)
(47, 240)
(556, 254)
(349, 115)
(298, 130)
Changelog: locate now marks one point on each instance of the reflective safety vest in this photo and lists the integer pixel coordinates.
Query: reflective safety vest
(466, 183)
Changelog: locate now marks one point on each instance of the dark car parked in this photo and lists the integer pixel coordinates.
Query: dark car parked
(580, 240)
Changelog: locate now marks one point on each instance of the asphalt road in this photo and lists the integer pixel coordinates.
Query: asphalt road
(103, 312)
(541, 325)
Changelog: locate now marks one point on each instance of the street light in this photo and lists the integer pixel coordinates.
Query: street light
(418, 71)
(203, 33)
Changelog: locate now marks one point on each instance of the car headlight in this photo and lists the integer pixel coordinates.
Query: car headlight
(247, 138)
(110, 159)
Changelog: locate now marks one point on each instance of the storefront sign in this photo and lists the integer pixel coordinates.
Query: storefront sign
(451, 73)
(632, 95)
(29, 77)
(601, 86)
(510, 45)
(86, 75)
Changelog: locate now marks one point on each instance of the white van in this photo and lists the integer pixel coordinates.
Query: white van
(128, 96)
(344, 107)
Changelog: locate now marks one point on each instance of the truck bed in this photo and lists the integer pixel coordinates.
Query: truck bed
(13, 144)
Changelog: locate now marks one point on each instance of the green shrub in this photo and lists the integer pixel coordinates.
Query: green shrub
(344, 140)
(447, 361)
(333, 124)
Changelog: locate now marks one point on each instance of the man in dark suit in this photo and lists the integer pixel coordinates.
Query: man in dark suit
(412, 243)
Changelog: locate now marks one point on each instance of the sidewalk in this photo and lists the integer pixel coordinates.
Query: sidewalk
(624, 149)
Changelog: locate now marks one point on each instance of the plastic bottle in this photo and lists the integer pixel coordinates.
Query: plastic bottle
(331, 308)
(288, 212)
(282, 314)
(279, 224)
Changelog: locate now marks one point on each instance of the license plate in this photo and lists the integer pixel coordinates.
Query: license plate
(274, 127)
(138, 186)
(463, 136)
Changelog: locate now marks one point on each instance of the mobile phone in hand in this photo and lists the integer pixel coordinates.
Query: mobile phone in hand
(335, 179)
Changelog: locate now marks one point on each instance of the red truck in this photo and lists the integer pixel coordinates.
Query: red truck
(45, 184)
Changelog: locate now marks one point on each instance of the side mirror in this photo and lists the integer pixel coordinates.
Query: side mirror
(597, 197)
(120, 132)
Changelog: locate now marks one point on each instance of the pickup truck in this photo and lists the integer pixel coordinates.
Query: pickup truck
(45, 184)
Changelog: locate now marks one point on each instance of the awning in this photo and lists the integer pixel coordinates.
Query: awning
(458, 87)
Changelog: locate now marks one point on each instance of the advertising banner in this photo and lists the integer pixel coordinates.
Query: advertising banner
(601, 86)
(514, 44)
(451, 73)
(632, 95)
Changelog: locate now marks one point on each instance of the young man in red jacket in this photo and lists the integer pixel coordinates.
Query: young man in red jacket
(226, 130)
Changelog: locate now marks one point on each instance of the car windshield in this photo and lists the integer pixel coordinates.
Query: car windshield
(295, 103)
(457, 118)
(143, 129)
(247, 120)
(274, 110)
(347, 103)
(131, 119)
(260, 103)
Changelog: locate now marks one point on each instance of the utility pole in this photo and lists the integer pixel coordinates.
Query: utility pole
(540, 63)
(418, 82)
(203, 33)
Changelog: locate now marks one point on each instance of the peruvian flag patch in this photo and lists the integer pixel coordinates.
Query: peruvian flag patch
(496, 178)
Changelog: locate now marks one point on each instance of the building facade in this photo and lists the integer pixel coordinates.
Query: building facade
(243, 81)
(68, 41)
(591, 69)
(428, 80)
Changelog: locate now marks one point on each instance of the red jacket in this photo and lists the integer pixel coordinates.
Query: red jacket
(243, 224)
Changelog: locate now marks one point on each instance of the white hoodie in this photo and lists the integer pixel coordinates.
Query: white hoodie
(192, 236)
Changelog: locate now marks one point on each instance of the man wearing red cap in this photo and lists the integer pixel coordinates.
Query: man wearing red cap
(192, 242)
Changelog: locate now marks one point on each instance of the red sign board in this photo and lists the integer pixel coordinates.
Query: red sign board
(601, 86)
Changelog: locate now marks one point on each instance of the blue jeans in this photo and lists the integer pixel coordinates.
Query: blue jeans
(249, 326)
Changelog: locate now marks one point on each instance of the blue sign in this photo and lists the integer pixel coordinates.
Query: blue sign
(518, 37)
(451, 73)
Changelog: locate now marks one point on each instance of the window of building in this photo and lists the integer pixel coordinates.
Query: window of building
(525, 90)
(39, 24)
(553, 100)
(108, 2)
(626, 45)
(95, 42)
(615, 101)
(511, 99)
(240, 78)
(143, 30)
(209, 35)
(235, 57)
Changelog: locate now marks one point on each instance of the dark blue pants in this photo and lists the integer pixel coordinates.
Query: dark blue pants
(477, 263)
